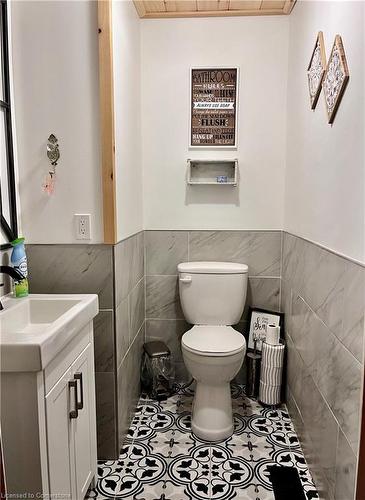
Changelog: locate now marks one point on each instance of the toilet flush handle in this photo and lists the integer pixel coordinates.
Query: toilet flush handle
(186, 279)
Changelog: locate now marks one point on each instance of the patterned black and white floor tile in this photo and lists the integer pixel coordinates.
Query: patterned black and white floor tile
(162, 460)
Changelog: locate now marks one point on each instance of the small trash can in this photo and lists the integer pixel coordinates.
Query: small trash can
(157, 374)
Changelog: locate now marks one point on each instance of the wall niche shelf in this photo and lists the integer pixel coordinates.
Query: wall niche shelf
(212, 172)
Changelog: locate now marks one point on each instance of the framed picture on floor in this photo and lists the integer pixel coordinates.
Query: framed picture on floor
(258, 320)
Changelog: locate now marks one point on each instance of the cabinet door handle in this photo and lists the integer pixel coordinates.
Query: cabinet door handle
(80, 405)
(73, 384)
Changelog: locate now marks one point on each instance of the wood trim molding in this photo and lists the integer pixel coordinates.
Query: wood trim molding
(288, 7)
(150, 9)
(140, 8)
(106, 88)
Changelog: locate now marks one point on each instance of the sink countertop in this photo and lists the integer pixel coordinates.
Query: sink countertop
(34, 329)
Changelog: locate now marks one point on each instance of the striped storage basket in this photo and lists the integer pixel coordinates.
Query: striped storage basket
(271, 373)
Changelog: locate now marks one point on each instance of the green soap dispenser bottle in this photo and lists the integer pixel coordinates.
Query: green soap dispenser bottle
(19, 262)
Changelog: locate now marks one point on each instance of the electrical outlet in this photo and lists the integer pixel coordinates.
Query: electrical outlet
(83, 226)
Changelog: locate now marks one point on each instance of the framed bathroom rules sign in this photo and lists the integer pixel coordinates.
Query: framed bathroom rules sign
(214, 96)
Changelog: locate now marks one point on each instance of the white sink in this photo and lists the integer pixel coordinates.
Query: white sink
(34, 329)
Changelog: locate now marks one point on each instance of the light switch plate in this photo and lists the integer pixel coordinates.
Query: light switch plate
(83, 226)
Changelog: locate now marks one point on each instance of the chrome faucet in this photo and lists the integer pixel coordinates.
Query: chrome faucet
(13, 273)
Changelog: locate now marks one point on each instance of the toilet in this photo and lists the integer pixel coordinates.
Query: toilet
(213, 296)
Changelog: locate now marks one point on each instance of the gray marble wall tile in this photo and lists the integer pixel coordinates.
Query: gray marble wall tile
(352, 334)
(313, 340)
(324, 290)
(318, 276)
(122, 329)
(128, 383)
(72, 269)
(345, 392)
(325, 490)
(325, 355)
(345, 470)
(263, 293)
(136, 308)
(165, 250)
(162, 298)
(125, 397)
(293, 251)
(336, 372)
(261, 251)
(295, 370)
(285, 303)
(104, 341)
(169, 331)
(128, 265)
(106, 416)
(163, 301)
(322, 428)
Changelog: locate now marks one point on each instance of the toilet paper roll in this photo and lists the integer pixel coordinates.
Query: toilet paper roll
(273, 334)
(269, 394)
(271, 375)
(272, 355)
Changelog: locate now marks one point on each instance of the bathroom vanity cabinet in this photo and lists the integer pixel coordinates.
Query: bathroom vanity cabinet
(49, 424)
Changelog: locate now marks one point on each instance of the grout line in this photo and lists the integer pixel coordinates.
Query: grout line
(130, 346)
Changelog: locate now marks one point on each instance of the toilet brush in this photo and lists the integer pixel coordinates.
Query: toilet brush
(253, 371)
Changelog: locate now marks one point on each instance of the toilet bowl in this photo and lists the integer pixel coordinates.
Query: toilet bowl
(213, 355)
(213, 296)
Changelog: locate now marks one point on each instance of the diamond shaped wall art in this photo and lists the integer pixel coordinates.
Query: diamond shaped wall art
(316, 69)
(335, 79)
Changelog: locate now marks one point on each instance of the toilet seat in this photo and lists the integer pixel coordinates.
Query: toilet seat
(213, 340)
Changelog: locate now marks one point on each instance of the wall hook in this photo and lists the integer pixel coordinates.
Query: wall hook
(53, 151)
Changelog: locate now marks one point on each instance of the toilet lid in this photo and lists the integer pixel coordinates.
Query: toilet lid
(213, 340)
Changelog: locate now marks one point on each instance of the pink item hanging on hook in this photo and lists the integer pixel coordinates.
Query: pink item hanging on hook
(48, 185)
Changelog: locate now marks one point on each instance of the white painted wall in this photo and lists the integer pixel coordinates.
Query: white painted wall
(55, 67)
(259, 46)
(325, 175)
(127, 106)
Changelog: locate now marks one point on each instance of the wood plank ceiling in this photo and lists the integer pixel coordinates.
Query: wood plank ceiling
(149, 9)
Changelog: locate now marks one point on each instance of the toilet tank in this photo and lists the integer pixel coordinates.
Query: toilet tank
(212, 293)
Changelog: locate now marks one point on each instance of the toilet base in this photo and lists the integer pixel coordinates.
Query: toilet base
(212, 418)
